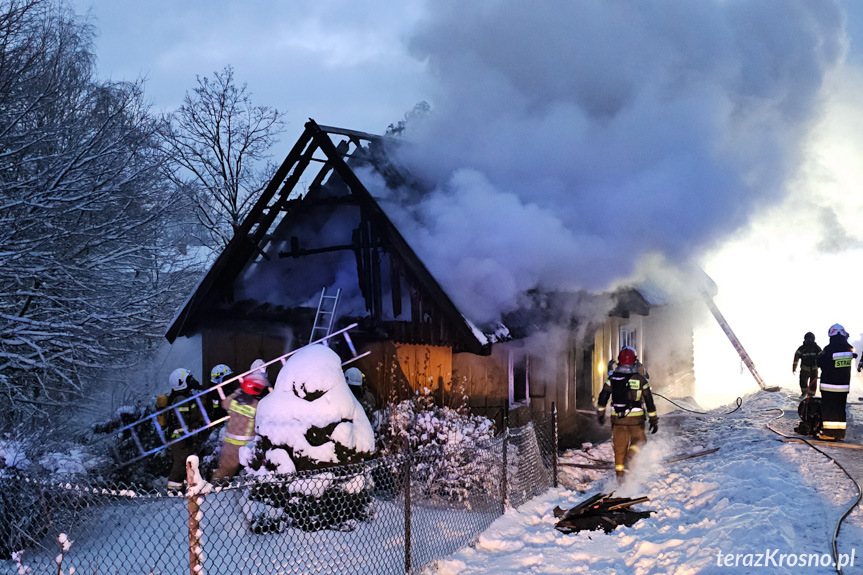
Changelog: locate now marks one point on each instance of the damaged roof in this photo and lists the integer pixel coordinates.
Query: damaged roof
(283, 203)
(279, 199)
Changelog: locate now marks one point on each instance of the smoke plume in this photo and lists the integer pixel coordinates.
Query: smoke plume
(569, 140)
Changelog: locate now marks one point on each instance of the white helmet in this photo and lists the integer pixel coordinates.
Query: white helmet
(261, 366)
(220, 373)
(179, 379)
(837, 329)
(354, 376)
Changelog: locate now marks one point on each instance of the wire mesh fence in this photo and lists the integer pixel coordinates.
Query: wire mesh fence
(393, 514)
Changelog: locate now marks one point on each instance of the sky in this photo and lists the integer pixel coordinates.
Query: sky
(582, 139)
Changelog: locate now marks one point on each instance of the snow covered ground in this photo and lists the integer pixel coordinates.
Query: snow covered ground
(756, 496)
(756, 499)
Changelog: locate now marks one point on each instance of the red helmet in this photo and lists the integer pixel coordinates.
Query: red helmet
(254, 383)
(626, 356)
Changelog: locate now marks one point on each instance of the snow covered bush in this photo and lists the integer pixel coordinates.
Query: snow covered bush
(450, 461)
(311, 424)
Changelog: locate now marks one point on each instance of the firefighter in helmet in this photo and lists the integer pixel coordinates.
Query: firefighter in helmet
(356, 380)
(260, 366)
(183, 386)
(213, 402)
(241, 405)
(835, 362)
(640, 368)
(807, 354)
(630, 393)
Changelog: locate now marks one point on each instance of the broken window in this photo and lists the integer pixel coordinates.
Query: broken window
(519, 378)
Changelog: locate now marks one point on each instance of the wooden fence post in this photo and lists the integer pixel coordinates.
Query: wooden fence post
(195, 550)
(554, 444)
(504, 485)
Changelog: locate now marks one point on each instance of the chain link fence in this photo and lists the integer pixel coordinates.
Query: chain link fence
(393, 514)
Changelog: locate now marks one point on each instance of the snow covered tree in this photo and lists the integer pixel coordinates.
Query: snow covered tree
(84, 265)
(218, 142)
(312, 422)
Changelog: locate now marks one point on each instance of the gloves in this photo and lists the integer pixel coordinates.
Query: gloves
(601, 418)
(794, 371)
(654, 425)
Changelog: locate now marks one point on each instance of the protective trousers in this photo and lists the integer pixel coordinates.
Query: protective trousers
(627, 437)
(808, 380)
(179, 452)
(229, 461)
(833, 413)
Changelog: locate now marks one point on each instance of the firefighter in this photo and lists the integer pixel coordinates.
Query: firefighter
(241, 406)
(183, 386)
(835, 362)
(612, 364)
(807, 355)
(260, 366)
(218, 374)
(630, 393)
(356, 382)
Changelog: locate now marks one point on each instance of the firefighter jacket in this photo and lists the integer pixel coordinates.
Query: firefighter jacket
(189, 411)
(241, 408)
(807, 355)
(630, 394)
(835, 363)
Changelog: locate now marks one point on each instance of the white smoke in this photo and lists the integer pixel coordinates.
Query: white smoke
(570, 139)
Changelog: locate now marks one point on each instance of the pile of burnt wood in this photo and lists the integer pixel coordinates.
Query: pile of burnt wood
(601, 511)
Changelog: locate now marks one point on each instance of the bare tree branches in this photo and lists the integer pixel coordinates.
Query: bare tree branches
(85, 211)
(217, 143)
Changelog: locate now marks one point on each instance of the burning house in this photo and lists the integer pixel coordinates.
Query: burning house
(323, 227)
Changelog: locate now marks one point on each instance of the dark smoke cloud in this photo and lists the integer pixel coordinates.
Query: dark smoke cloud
(569, 139)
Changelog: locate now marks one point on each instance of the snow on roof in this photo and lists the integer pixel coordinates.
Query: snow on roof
(480, 336)
(653, 294)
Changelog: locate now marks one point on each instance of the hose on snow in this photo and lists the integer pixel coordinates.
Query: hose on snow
(833, 543)
(739, 403)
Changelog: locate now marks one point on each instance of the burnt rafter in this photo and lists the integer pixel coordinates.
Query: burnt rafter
(298, 252)
(374, 235)
(252, 231)
(384, 226)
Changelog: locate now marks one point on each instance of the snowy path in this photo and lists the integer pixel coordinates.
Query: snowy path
(755, 496)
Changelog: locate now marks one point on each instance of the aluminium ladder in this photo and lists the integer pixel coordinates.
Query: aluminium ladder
(325, 317)
(134, 430)
(737, 345)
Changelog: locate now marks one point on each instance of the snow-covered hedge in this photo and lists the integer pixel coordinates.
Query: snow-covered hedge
(450, 448)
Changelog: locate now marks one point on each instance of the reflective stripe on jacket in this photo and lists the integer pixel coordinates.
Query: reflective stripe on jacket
(835, 363)
(638, 392)
(241, 408)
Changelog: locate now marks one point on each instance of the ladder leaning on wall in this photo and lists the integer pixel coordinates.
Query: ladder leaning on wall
(151, 422)
(325, 317)
(738, 347)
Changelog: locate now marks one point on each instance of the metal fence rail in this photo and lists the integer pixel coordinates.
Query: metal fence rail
(348, 519)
